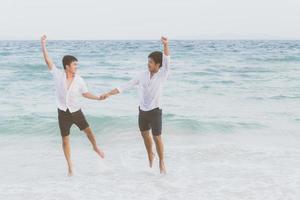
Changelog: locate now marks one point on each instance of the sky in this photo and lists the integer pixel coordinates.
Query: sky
(149, 19)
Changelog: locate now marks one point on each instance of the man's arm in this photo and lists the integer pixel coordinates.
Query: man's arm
(89, 95)
(108, 94)
(166, 56)
(165, 42)
(130, 84)
(48, 60)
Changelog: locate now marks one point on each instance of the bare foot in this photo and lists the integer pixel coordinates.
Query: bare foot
(99, 152)
(151, 158)
(162, 167)
(70, 172)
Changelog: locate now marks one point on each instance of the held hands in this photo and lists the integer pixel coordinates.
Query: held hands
(108, 94)
(104, 96)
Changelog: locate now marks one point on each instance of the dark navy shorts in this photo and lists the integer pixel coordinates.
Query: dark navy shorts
(67, 119)
(151, 119)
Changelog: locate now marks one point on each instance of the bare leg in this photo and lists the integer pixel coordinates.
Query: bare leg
(67, 152)
(160, 151)
(148, 144)
(92, 139)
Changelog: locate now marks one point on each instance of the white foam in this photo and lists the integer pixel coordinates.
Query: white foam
(237, 166)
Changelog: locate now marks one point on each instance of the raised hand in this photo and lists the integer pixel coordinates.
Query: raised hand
(44, 39)
(164, 40)
(48, 60)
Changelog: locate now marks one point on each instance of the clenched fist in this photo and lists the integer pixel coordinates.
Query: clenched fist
(44, 39)
(164, 40)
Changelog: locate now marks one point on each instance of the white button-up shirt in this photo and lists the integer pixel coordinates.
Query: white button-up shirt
(68, 98)
(149, 89)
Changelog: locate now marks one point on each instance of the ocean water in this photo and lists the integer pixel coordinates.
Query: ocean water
(231, 122)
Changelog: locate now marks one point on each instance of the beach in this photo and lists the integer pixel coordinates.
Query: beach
(230, 122)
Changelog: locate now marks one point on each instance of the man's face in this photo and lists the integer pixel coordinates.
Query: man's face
(152, 66)
(72, 68)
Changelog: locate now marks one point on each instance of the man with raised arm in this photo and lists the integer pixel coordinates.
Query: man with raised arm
(69, 86)
(150, 83)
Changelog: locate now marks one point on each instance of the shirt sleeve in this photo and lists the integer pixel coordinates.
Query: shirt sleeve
(166, 63)
(165, 68)
(54, 71)
(83, 87)
(130, 84)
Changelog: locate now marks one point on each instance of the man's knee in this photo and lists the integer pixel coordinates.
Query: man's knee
(65, 140)
(145, 134)
(87, 130)
(157, 138)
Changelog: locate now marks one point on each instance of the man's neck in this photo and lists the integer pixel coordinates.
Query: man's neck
(69, 75)
(152, 73)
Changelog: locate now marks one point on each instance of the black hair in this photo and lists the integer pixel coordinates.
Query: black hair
(157, 57)
(67, 60)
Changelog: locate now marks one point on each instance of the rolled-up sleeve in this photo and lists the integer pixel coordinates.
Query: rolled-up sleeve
(54, 71)
(130, 84)
(165, 68)
(166, 62)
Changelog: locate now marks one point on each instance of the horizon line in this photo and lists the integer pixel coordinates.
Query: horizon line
(175, 39)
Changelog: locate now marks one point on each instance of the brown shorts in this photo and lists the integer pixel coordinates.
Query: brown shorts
(67, 119)
(151, 119)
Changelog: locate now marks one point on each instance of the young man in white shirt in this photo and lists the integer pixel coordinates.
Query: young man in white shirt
(150, 83)
(69, 86)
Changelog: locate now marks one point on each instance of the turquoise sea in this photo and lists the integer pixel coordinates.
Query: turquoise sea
(215, 86)
(231, 122)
